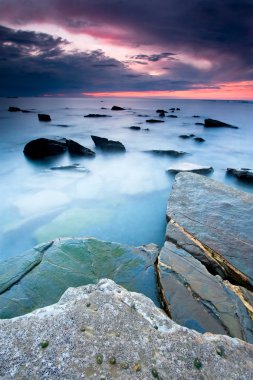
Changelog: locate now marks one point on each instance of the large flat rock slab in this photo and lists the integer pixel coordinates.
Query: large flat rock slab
(217, 218)
(40, 276)
(105, 332)
(197, 299)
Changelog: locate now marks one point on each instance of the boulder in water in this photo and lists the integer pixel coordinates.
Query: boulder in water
(42, 147)
(44, 117)
(209, 123)
(108, 145)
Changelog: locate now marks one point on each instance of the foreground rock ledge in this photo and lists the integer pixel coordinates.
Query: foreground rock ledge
(105, 332)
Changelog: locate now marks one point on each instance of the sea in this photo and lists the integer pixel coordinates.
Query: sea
(114, 197)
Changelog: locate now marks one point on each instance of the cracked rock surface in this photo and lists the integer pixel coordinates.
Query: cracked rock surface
(40, 276)
(105, 332)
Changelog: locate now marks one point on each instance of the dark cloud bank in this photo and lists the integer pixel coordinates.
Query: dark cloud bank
(34, 63)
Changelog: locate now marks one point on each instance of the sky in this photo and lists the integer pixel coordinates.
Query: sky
(199, 49)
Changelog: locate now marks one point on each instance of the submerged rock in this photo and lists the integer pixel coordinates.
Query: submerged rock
(78, 149)
(41, 148)
(245, 175)
(154, 121)
(135, 128)
(173, 116)
(44, 117)
(96, 115)
(103, 331)
(117, 108)
(14, 109)
(170, 152)
(186, 136)
(108, 145)
(161, 111)
(40, 276)
(199, 139)
(216, 123)
(189, 167)
(75, 167)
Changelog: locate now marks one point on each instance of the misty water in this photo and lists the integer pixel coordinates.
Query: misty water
(121, 197)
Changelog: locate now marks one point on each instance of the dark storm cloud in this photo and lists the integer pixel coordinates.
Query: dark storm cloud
(36, 63)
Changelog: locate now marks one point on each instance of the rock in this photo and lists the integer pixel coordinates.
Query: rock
(103, 108)
(103, 331)
(245, 175)
(162, 114)
(186, 136)
(14, 109)
(197, 299)
(195, 116)
(172, 153)
(26, 111)
(209, 233)
(161, 111)
(41, 148)
(173, 116)
(199, 139)
(178, 109)
(44, 117)
(154, 121)
(96, 115)
(199, 124)
(146, 129)
(216, 123)
(78, 149)
(220, 218)
(75, 167)
(189, 167)
(40, 276)
(108, 145)
(135, 128)
(117, 108)
(172, 109)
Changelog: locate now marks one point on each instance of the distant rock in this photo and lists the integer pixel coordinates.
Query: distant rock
(41, 275)
(186, 136)
(245, 175)
(162, 114)
(172, 153)
(103, 331)
(41, 148)
(189, 167)
(26, 111)
(209, 123)
(199, 139)
(103, 108)
(154, 121)
(108, 145)
(44, 117)
(146, 129)
(161, 111)
(96, 115)
(195, 116)
(142, 115)
(199, 124)
(172, 116)
(172, 109)
(78, 149)
(135, 128)
(62, 125)
(117, 108)
(14, 109)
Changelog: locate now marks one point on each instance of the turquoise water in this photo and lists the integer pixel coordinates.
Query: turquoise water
(122, 197)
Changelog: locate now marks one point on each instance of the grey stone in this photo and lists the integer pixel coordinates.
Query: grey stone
(245, 175)
(78, 149)
(40, 276)
(103, 331)
(189, 167)
(169, 152)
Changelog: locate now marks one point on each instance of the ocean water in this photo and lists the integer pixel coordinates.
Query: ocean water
(121, 197)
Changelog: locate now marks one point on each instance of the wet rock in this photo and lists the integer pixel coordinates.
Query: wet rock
(178, 109)
(199, 124)
(245, 175)
(135, 128)
(219, 218)
(75, 167)
(96, 115)
(14, 109)
(108, 145)
(26, 111)
(172, 109)
(216, 123)
(195, 116)
(70, 340)
(170, 152)
(103, 108)
(199, 139)
(186, 136)
(40, 276)
(78, 149)
(197, 299)
(41, 148)
(154, 121)
(117, 108)
(162, 114)
(189, 167)
(44, 117)
(173, 116)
